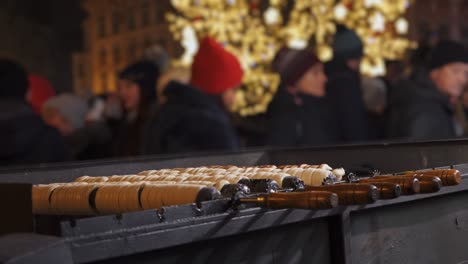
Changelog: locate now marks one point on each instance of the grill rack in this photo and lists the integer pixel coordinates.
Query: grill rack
(142, 235)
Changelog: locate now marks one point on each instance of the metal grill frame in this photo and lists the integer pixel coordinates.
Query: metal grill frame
(348, 232)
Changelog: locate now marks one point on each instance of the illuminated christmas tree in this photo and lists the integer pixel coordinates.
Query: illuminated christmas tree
(255, 35)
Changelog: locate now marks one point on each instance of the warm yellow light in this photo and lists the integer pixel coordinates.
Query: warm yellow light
(255, 37)
(402, 26)
(272, 16)
(371, 3)
(340, 12)
(297, 44)
(373, 67)
(377, 22)
(190, 44)
(325, 53)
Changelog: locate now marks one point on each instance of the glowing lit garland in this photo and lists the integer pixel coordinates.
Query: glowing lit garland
(255, 37)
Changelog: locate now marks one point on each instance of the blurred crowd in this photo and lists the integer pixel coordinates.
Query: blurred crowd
(158, 109)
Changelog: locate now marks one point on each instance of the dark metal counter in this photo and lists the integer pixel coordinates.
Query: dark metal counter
(424, 228)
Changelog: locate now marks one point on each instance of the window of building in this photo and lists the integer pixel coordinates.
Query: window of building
(104, 82)
(131, 20)
(132, 51)
(101, 25)
(103, 57)
(115, 23)
(148, 42)
(159, 14)
(116, 55)
(145, 13)
(80, 71)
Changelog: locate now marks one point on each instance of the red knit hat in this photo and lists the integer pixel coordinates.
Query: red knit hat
(215, 70)
(40, 90)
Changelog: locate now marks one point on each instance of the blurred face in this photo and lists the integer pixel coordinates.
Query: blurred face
(354, 64)
(313, 81)
(229, 98)
(129, 93)
(54, 119)
(451, 78)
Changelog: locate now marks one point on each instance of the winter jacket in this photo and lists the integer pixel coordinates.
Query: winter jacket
(418, 111)
(129, 133)
(90, 142)
(345, 97)
(190, 121)
(306, 125)
(25, 138)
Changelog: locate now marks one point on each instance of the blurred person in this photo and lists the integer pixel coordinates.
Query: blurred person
(137, 93)
(395, 72)
(168, 72)
(40, 90)
(250, 129)
(374, 92)
(298, 114)
(104, 107)
(65, 112)
(422, 107)
(97, 106)
(25, 138)
(180, 74)
(194, 117)
(158, 56)
(86, 140)
(419, 57)
(344, 87)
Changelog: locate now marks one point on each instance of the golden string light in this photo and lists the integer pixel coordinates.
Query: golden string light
(255, 35)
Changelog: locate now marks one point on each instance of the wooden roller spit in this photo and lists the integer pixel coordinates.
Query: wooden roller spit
(409, 185)
(297, 200)
(350, 193)
(428, 184)
(449, 177)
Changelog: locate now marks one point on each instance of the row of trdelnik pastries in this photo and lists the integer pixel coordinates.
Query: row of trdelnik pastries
(218, 176)
(81, 198)
(157, 188)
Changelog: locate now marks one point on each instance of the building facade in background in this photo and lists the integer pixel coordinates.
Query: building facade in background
(41, 35)
(116, 33)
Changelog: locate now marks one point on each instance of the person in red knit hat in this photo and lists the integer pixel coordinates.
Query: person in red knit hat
(216, 71)
(194, 117)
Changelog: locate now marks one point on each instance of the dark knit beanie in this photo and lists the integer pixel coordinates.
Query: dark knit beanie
(347, 44)
(292, 64)
(446, 52)
(144, 74)
(13, 80)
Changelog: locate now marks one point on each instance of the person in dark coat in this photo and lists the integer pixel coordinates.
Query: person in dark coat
(374, 92)
(298, 114)
(86, 139)
(194, 117)
(25, 139)
(137, 91)
(344, 87)
(422, 108)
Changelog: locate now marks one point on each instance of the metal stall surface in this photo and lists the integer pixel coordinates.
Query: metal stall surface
(424, 228)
